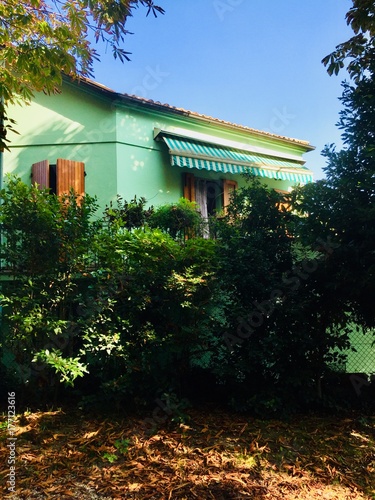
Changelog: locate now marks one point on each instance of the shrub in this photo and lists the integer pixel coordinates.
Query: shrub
(180, 220)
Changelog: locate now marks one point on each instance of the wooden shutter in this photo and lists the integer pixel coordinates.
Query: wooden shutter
(189, 187)
(40, 174)
(286, 205)
(228, 188)
(70, 174)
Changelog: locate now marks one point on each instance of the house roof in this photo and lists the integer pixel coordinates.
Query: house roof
(192, 114)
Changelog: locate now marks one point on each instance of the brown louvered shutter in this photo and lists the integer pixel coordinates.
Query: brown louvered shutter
(189, 187)
(286, 205)
(40, 174)
(229, 187)
(70, 174)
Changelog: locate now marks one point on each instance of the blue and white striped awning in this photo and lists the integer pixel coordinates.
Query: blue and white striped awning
(203, 156)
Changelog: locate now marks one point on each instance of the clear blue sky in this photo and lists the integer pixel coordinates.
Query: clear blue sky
(252, 62)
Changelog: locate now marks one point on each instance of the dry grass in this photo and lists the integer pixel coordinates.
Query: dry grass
(215, 455)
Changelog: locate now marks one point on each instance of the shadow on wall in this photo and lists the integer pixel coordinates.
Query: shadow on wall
(61, 127)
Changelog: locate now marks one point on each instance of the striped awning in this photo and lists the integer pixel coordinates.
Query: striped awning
(204, 156)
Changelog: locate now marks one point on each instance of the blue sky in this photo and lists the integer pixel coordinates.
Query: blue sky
(252, 62)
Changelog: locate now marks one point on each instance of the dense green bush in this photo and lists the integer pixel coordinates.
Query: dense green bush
(180, 220)
(130, 215)
(279, 339)
(45, 253)
(125, 307)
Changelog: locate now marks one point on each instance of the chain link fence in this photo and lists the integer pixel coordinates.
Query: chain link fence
(362, 359)
(361, 356)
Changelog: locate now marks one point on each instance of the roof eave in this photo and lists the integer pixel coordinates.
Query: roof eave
(155, 105)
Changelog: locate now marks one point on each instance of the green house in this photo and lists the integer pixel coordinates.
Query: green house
(109, 144)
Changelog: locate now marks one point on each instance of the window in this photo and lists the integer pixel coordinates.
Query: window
(212, 196)
(208, 196)
(59, 178)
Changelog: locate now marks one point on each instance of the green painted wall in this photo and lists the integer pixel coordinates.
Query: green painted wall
(114, 137)
(71, 125)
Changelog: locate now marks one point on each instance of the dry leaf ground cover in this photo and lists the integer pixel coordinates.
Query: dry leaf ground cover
(215, 455)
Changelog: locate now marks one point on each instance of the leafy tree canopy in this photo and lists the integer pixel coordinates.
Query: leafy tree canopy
(342, 205)
(41, 39)
(358, 51)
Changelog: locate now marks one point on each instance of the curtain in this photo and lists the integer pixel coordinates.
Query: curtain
(201, 199)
